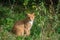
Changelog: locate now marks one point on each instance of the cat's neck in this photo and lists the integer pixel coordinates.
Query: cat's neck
(29, 21)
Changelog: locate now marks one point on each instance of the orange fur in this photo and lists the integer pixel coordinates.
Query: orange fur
(22, 27)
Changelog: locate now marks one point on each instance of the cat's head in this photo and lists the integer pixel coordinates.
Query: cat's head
(31, 16)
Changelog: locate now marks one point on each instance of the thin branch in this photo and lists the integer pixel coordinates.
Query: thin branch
(52, 10)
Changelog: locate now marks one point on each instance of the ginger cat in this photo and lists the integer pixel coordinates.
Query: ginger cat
(22, 27)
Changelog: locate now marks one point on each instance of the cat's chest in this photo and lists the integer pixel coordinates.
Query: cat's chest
(31, 22)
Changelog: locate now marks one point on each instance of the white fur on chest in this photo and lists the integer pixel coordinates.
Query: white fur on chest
(31, 22)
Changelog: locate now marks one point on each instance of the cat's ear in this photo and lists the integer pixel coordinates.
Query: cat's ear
(28, 14)
(33, 13)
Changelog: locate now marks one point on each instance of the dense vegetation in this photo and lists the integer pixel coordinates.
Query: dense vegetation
(47, 18)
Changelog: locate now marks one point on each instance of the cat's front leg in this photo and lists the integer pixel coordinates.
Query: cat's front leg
(27, 32)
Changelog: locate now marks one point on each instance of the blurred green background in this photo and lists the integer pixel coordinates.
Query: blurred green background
(46, 24)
